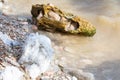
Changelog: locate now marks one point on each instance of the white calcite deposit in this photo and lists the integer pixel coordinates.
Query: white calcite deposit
(11, 73)
(37, 54)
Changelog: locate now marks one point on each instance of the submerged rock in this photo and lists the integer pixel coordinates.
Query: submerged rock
(50, 18)
(79, 74)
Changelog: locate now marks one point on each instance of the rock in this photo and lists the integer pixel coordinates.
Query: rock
(12, 61)
(74, 78)
(37, 54)
(11, 73)
(50, 18)
(33, 71)
(7, 40)
(34, 28)
(79, 74)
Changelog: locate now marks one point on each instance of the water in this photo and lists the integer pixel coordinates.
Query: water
(98, 54)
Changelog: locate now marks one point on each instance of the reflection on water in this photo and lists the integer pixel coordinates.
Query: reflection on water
(79, 51)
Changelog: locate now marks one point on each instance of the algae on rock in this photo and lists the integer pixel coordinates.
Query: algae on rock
(50, 18)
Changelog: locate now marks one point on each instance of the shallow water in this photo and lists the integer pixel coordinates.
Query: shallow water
(98, 54)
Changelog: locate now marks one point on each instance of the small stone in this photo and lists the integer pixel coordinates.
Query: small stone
(34, 28)
(1, 25)
(24, 23)
(74, 78)
(68, 49)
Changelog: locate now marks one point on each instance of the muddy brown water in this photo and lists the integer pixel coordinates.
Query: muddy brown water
(99, 54)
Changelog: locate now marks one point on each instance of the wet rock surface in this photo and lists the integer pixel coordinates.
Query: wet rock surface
(50, 18)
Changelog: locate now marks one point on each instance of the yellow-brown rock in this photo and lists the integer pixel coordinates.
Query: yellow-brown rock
(50, 18)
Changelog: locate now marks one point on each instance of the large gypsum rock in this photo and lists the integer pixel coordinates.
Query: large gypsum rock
(37, 54)
(50, 18)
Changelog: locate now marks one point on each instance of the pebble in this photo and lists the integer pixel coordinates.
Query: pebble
(74, 78)
(25, 23)
(34, 28)
(68, 49)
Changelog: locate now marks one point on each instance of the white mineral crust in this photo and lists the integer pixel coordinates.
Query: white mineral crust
(37, 54)
(11, 73)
